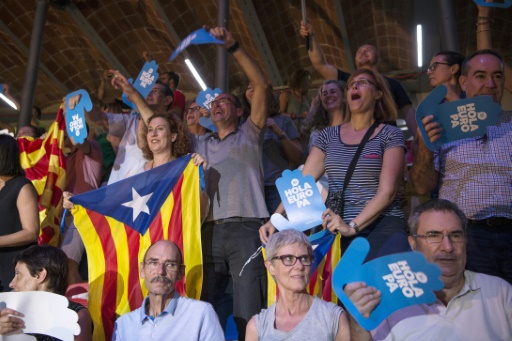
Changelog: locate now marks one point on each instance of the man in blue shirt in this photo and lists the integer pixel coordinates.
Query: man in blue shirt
(164, 314)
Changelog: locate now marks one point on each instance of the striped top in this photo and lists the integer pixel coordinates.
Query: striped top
(365, 179)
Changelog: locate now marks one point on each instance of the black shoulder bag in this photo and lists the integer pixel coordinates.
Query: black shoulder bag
(335, 199)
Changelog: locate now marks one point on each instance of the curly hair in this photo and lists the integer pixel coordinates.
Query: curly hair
(320, 119)
(180, 147)
(385, 107)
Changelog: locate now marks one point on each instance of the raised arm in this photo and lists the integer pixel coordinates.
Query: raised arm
(119, 81)
(254, 73)
(316, 55)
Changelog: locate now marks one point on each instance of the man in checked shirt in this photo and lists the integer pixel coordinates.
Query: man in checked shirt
(476, 173)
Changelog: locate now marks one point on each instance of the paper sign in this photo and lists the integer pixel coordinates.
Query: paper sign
(404, 279)
(460, 119)
(44, 313)
(302, 201)
(200, 36)
(206, 97)
(75, 118)
(503, 4)
(144, 82)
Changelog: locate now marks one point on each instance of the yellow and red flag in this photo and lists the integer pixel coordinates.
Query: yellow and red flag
(45, 165)
(119, 222)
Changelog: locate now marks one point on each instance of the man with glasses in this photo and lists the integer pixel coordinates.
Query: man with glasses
(192, 115)
(476, 173)
(471, 306)
(165, 314)
(234, 184)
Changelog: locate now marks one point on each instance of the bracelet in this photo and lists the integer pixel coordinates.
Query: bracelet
(483, 23)
(234, 47)
(483, 30)
(282, 136)
(482, 18)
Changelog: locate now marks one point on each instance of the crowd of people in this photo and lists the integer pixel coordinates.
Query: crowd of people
(352, 145)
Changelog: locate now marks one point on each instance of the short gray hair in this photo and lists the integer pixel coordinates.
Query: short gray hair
(284, 238)
(436, 205)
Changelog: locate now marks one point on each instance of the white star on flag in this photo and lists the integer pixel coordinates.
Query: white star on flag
(138, 203)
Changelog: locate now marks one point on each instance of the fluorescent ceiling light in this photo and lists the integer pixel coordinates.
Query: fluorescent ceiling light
(196, 75)
(419, 43)
(8, 101)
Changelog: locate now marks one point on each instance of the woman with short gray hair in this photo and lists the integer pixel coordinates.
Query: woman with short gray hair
(296, 315)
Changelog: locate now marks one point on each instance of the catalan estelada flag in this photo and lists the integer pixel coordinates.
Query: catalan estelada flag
(327, 252)
(119, 222)
(45, 165)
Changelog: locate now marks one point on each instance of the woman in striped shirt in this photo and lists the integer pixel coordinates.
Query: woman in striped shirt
(369, 206)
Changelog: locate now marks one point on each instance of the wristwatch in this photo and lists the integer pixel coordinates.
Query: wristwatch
(353, 225)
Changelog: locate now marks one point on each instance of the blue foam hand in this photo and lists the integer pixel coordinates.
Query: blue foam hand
(146, 79)
(1, 88)
(504, 4)
(200, 36)
(404, 279)
(468, 117)
(207, 123)
(206, 97)
(302, 201)
(75, 118)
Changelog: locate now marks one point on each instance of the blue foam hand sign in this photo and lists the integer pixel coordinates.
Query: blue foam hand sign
(146, 79)
(503, 4)
(302, 201)
(75, 118)
(207, 123)
(200, 36)
(206, 97)
(1, 88)
(468, 117)
(144, 82)
(404, 279)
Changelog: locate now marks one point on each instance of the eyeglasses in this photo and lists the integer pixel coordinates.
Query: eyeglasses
(193, 109)
(169, 266)
(290, 260)
(437, 237)
(434, 65)
(361, 82)
(222, 101)
(157, 91)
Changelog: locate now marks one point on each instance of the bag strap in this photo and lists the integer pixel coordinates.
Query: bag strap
(359, 150)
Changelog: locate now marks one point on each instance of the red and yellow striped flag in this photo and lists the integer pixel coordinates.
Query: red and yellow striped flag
(119, 222)
(45, 165)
